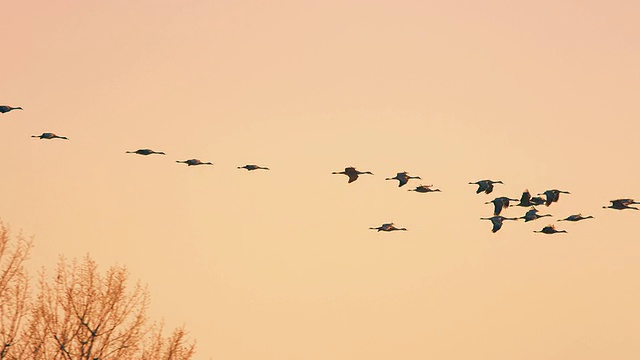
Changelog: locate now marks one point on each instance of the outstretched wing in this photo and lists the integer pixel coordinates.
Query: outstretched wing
(497, 206)
(489, 188)
(497, 224)
(549, 195)
(482, 186)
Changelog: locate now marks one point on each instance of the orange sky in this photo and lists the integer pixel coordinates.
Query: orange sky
(281, 264)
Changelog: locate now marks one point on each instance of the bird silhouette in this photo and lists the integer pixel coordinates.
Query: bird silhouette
(193, 162)
(6, 109)
(497, 221)
(536, 200)
(424, 189)
(145, 152)
(532, 214)
(525, 199)
(576, 217)
(402, 178)
(485, 186)
(352, 173)
(253, 167)
(553, 195)
(621, 204)
(500, 203)
(549, 229)
(387, 227)
(49, 136)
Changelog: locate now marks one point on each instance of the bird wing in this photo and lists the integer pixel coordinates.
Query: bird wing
(505, 203)
(482, 186)
(497, 223)
(620, 202)
(352, 176)
(497, 207)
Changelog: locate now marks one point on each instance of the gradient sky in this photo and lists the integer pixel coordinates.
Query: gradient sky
(281, 264)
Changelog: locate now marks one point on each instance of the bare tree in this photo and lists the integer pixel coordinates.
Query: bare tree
(78, 314)
(173, 347)
(14, 295)
(82, 314)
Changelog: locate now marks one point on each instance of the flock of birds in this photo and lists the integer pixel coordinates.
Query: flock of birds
(500, 203)
(484, 186)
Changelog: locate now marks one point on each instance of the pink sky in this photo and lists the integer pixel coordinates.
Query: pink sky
(281, 264)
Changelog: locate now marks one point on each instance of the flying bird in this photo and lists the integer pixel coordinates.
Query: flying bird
(532, 214)
(193, 162)
(145, 152)
(553, 195)
(576, 217)
(549, 229)
(49, 136)
(497, 221)
(253, 167)
(6, 109)
(536, 200)
(352, 173)
(485, 186)
(621, 204)
(387, 227)
(525, 199)
(402, 178)
(500, 203)
(424, 189)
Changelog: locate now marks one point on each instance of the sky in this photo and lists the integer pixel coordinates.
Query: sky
(281, 264)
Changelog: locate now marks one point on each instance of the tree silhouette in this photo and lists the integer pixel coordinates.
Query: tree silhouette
(78, 313)
(14, 295)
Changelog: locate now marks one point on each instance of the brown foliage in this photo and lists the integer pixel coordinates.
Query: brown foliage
(14, 286)
(78, 314)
